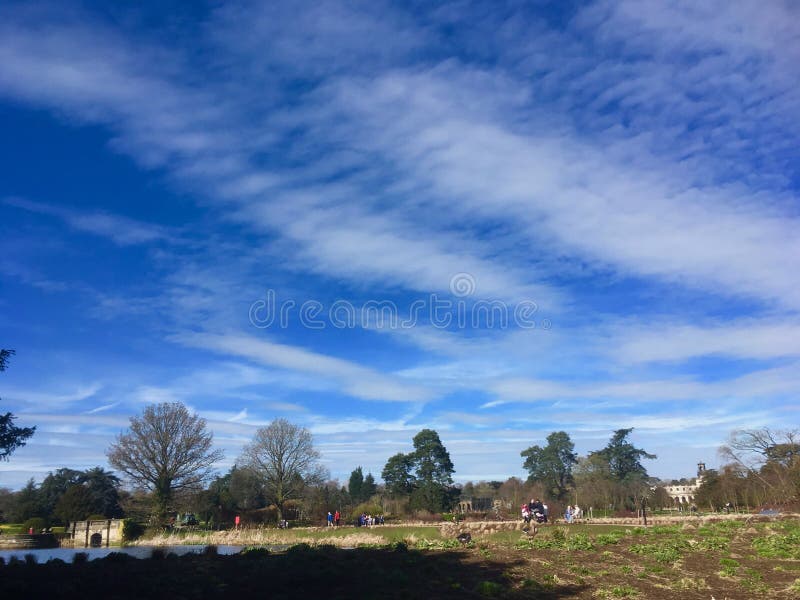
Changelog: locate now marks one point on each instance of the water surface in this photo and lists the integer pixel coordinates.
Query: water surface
(66, 554)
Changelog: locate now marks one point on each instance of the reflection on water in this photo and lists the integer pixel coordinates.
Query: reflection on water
(44, 554)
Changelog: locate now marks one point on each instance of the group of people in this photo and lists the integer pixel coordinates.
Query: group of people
(365, 520)
(573, 513)
(537, 511)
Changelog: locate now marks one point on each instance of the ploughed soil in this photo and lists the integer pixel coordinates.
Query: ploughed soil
(742, 561)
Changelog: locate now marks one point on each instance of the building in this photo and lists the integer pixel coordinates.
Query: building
(684, 493)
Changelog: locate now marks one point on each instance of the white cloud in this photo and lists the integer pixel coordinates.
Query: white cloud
(754, 386)
(737, 338)
(637, 219)
(121, 230)
(354, 379)
(44, 400)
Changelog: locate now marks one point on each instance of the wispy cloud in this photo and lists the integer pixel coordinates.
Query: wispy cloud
(355, 379)
(768, 383)
(49, 400)
(120, 230)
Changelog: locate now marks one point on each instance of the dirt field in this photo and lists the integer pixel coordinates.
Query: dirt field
(727, 559)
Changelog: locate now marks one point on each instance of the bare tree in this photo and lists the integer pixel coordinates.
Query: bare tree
(763, 452)
(166, 450)
(283, 455)
(752, 448)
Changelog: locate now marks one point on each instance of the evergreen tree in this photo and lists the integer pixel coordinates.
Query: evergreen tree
(623, 458)
(426, 473)
(369, 488)
(355, 485)
(397, 474)
(11, 436)
(552, 465)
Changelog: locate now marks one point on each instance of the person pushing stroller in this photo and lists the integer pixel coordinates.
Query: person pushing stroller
(536, 510)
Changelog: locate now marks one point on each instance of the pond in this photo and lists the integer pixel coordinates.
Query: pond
(66, 554)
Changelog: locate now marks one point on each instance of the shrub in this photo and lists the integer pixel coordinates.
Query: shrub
(118, 557)
(302, 548)
(451, 517)
(255, 552)
(131, 530)
(80, 558)
(37, 523)
(367, 508)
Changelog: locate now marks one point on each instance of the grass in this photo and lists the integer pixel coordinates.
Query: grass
(345, 537)
(729, 566)
(618, 591)
(782, 541)
(511, 537)
(17, 528)
(12, 528)
(666, 551)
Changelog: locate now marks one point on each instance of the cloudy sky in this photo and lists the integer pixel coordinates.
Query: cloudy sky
(255, 208)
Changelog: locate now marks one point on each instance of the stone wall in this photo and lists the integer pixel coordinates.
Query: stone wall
(477, 528)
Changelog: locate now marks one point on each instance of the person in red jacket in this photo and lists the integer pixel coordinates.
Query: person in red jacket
(336, 518)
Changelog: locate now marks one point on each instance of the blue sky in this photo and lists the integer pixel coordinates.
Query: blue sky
(628, 171)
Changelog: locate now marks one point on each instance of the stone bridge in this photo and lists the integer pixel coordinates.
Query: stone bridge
(96, 534)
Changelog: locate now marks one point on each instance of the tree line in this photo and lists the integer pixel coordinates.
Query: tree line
(167, 456)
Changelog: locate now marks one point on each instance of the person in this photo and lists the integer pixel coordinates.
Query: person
(526, 514)
(577, 513)
(545, 511)
(568, 515)
(336, 518)
(330, 519)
